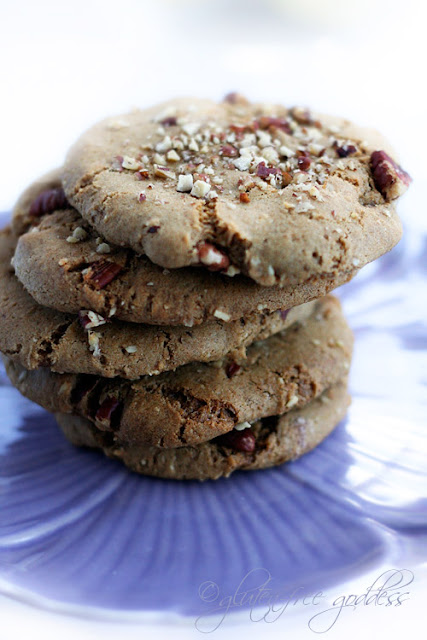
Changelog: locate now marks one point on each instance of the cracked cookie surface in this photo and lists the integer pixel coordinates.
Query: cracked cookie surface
(58, 262)
(198, 402)
(38, 336)
(281, 194)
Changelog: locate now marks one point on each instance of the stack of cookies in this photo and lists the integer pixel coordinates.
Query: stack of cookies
(165, 292)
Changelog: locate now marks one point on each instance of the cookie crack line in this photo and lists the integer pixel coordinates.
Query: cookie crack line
(167, 348)
(88, 181)
(45, 351)
(139, 291)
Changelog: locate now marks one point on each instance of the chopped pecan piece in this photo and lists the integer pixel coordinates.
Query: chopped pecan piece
(89, 319)
(228, 151)
(304, 163)
(48, 201)
(266, 122)
(264, 172)
(286, 178)
(235, 98)
(346, 150)
(212, 257)
(232, 368)
(239, 440)
(169, 122)
(239, 130)
(302, 116)
(108, 413)
(102, 273)
(389, 177)
(117, 164)
(163, 172)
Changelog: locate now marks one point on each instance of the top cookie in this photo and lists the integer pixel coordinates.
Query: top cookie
(280, 194)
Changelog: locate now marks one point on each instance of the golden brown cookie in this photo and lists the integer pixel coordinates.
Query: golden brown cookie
(284, 195)
(60, 264)
(273, 441)
(89, 343)
(198, 402)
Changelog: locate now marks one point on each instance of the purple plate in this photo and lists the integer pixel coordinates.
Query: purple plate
(82, 533)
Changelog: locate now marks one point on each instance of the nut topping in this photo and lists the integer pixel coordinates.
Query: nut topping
(242, 426)
(101, 273)
(274, 123)
(232, 368)
(169, 122)
(48, 201)
(302, 115)
(212, 257)
(228, 151)
(268, 146)
(239, 440)
(108, 413)
(235, 98)
(346, 150)
(389, 177)
(185, 183)
(304, 163)
(265, 172)
(89, 319)
(200, 189)
(78, 235)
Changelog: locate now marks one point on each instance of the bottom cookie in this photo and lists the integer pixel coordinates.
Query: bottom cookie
(271, 441)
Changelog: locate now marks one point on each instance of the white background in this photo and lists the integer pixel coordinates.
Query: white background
(64, 65)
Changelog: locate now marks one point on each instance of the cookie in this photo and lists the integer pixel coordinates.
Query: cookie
(198, 402)
(44, 195)
(73, 275)
(274, 441)
(284, 195)
(36, 336)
